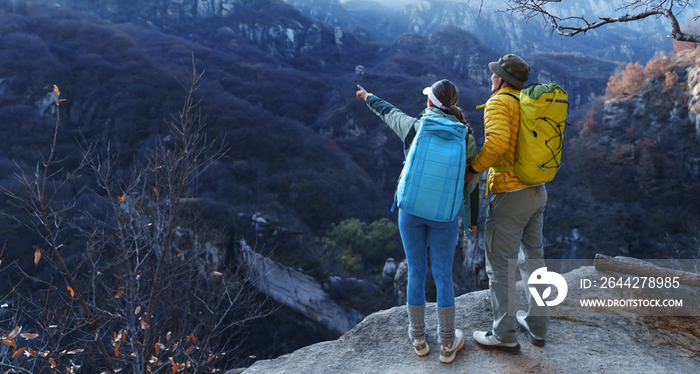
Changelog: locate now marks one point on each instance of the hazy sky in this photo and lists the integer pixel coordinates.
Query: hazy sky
(391, 3)
(401, 3)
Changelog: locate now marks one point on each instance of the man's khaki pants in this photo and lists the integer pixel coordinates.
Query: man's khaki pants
(513, 232)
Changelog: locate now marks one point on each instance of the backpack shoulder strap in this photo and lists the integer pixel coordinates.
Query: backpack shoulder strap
(511, 95)
(502, 93)
(408, 140)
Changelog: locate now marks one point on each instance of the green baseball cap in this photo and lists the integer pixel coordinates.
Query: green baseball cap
(512, 69)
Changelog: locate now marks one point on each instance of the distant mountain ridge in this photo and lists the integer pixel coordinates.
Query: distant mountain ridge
(292, 27)
(503, 32)
(634, 41)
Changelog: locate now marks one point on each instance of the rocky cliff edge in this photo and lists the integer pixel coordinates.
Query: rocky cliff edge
(603, 340)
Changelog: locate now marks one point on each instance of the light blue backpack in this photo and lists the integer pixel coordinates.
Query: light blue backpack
(432, 180)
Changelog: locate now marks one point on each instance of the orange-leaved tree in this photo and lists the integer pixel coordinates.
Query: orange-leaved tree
(628, 82)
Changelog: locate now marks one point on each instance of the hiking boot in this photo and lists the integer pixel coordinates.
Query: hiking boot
(520, 322)
(488, 341)
(448, 352)
(416, 329)
(420, 346)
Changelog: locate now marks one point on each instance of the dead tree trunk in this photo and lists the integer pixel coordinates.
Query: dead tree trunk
(633, 266)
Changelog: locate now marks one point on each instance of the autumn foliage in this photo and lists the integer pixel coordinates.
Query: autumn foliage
(626, 83)
(633, 77)
(670, 80)
(635, 159)
(589, 124)
(657, 67)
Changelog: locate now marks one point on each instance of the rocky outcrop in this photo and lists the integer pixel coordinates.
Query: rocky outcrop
(46, 105)
(583, 76)
(330, 12)
(463, 53)
(348, 16)
(609, 340)
(273, 25)
(662, 115)
(299, 292)
(694, 96)
(452, 49)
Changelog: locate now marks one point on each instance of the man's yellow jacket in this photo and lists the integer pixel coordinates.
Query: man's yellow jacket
(501, 125)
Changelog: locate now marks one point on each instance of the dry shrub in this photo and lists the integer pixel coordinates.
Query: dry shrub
(623, 154)
(589, 124)
(671, 80)
(647, 175)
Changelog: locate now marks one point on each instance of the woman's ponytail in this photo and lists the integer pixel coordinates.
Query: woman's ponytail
(447, 93)
(457, 112)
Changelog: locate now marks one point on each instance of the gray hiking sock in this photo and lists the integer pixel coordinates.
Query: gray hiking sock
(416, 321)
(446, 325)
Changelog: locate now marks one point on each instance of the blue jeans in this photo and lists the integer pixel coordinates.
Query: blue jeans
(416, 234)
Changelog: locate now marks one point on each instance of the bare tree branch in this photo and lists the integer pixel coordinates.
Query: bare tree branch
(14, 368)
(640, 9)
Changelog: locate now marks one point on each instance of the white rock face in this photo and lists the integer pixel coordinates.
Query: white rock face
(299, 292)
(694, 99)
(205, 8)
(45, 105)
(226, 7)
(5, 85)
(200, 8)
(615, 113)
(338, 33)
(282, 36)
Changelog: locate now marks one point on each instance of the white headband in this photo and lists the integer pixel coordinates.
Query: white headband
(429, 91)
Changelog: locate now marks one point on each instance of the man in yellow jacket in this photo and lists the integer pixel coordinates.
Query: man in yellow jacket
(513, 228)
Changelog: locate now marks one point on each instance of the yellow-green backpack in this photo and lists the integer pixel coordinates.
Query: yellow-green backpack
(543, 110)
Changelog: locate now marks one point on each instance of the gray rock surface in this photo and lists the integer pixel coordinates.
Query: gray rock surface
(607, 340)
